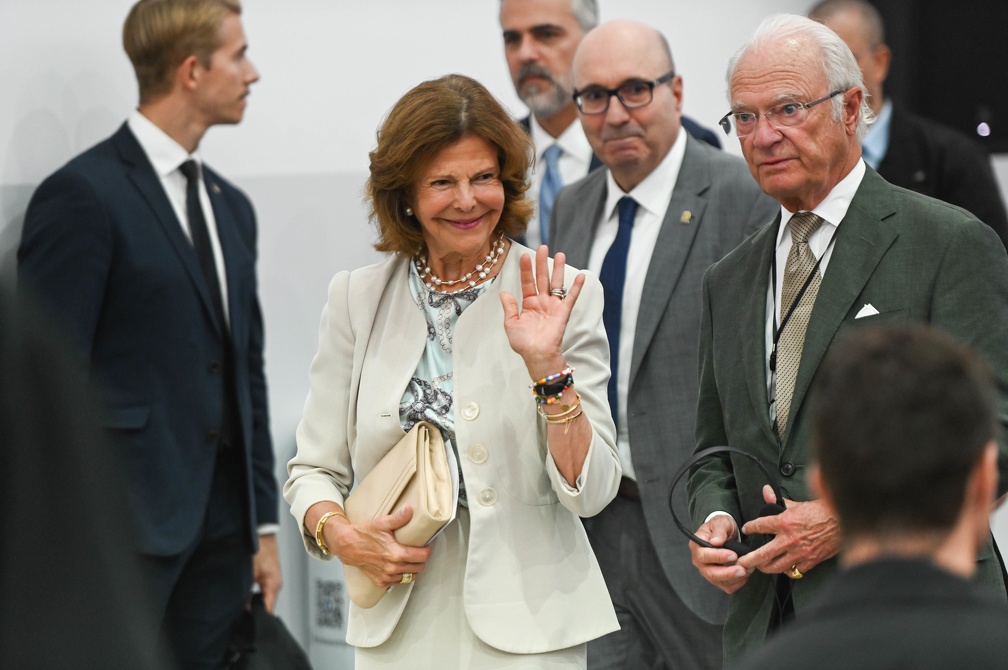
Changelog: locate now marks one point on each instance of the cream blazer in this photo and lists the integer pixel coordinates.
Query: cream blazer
(532, 583)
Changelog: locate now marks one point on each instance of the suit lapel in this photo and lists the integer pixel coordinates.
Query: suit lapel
(589, 209)
(756, 276)
(861, 241)
(671, 250)
(142, 174)
(397, 341)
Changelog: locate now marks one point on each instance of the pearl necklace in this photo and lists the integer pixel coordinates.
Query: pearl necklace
(481, 270)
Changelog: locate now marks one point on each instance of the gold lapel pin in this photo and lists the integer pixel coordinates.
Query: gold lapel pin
(686, 216)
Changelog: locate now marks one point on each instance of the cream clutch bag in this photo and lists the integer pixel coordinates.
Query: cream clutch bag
(415, 472)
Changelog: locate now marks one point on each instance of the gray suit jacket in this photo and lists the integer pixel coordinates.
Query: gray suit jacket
(725, 205)
(910, 257)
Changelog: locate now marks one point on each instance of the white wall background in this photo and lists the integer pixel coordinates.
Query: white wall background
(330, 71)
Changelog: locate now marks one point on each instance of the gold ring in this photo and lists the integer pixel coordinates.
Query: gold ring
(795, 572)
(406, 578)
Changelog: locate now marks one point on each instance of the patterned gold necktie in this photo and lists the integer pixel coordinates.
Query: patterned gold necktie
(801, 263)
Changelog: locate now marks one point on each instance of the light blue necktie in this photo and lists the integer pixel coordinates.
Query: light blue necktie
(551, 185)
(613, 277)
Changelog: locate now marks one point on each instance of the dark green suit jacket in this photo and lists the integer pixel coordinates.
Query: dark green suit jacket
(912, 258)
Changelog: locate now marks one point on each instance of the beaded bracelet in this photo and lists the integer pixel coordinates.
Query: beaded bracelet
(321, 526)
(549, 389)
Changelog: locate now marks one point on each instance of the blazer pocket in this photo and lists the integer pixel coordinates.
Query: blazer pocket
(127, 418)
(850, 324)
(881, 317)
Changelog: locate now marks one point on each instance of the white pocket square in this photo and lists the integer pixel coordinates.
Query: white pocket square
(867, 310)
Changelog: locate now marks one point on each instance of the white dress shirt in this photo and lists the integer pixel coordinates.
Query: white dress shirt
(575, 159)
(166, 155)
(652, 196)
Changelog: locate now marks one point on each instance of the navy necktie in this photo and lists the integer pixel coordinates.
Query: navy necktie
(201, 237)
(551, 185)
(613, 276)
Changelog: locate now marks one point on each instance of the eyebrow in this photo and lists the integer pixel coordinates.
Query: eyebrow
(538, 28)
(489, 167)
(780, 99)
(628, 80)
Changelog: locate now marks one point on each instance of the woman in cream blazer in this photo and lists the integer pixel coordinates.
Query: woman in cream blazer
(512, 580)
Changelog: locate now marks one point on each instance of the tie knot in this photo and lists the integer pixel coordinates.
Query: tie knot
(190, 170)
(627, 210)
(803, 224)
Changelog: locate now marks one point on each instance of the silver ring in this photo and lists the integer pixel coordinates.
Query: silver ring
(559, 292)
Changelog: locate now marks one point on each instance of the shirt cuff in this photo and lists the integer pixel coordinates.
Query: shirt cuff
(269, 529)
(738, 532)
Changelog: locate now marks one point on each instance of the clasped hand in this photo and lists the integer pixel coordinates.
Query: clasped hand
(372, 547)
(804, 535)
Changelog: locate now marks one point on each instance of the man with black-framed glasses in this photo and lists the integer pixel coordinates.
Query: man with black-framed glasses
(664, 209)
(540, 38)
(846, 250)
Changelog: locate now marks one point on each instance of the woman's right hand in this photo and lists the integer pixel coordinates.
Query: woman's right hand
(372, 547)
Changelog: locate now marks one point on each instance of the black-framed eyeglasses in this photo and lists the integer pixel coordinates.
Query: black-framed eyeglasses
(786, 114)
(633, 93)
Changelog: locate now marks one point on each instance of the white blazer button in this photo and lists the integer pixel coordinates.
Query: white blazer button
(478, 454)
(470, 411)
(487, 497)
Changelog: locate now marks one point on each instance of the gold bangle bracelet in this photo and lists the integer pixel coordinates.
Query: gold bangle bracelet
(566, 421)
(321, 527)
(568, 410)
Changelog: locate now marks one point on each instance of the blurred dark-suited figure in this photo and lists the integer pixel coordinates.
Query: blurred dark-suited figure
(906, 149)
(148, 257)
(895, 407)
(70, 583)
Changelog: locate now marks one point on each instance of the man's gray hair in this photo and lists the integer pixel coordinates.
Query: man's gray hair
(838, 63)
(586, 13)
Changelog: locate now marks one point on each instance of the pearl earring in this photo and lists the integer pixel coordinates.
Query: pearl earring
(409, 211)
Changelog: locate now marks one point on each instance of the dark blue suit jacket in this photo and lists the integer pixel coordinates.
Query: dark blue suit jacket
(103, 248)
(943, 163)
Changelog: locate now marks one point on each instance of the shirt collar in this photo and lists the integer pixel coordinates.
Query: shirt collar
(655, 190)
(572, 141)
(875, 144)
(834, 207)
(164, 153)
